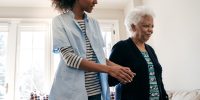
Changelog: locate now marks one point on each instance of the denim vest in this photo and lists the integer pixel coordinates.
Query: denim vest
(69, 83)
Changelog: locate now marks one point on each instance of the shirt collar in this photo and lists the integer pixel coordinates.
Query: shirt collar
(72, 15)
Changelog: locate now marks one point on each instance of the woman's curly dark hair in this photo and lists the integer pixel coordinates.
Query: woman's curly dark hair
(63, 5)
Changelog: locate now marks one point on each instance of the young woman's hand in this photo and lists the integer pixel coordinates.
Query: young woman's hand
(123, 74)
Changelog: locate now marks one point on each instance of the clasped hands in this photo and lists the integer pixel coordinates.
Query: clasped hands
(123, 74)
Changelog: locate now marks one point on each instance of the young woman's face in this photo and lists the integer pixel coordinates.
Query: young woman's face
(144, 29)
(87, 5)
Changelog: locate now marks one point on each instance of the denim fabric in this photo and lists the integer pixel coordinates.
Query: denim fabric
(118, 92)
(69, 83)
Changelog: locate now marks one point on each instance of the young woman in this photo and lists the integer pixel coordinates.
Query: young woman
(81, 74)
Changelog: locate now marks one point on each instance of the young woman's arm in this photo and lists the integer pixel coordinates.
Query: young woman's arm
(123, 74)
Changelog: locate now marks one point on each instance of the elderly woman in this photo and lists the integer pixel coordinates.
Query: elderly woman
(140, 58)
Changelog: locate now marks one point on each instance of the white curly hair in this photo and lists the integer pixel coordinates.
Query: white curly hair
(135, 15)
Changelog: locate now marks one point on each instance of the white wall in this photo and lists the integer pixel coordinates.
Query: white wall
(176, 40)
(129, 7)
(111, 14)
(27, 12)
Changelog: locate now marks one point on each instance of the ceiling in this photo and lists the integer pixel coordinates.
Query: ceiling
(112, 4)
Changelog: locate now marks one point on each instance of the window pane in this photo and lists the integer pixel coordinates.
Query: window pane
(56, 60)
(31, 69)
(3, 57)
(108, 42)
(107, 34)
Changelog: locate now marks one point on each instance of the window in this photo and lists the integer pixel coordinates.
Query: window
(32, 60)
(3, 56)
(28, 58)
(110, 34)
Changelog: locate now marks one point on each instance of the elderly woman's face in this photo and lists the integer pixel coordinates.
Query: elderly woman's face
(144, 28)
